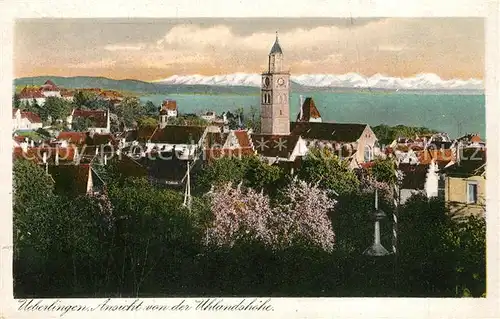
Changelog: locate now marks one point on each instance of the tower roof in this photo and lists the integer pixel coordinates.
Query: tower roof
(276, 49)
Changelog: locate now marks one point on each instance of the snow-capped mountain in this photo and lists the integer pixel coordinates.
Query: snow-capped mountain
(425, 81)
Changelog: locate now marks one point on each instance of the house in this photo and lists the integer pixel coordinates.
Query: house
(308, 111)
(49, 88)
(234, 143)
(31, 95)
(420, 178)
(275, 149)
(67, 95)
(100, 119)
(67, 138)
(23, 120)
(357, 139)
(168, 109)
(465, 184)
(184, 140)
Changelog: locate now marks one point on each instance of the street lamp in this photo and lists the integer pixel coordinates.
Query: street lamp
(376, 249)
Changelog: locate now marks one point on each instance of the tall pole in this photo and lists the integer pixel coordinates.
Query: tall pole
(395, 250)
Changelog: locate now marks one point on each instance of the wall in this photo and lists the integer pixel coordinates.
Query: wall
(367, 138)
(456, 195)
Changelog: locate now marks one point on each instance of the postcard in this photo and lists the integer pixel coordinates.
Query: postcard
(261, 165)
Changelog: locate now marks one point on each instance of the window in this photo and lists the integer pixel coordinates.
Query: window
(471, 192)
(368, 153)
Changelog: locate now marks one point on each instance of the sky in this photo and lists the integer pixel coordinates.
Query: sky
(153, 49)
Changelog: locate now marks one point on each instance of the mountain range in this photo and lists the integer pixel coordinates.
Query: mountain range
(425, 81)
(243, 83)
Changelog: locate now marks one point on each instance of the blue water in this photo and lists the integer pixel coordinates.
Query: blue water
(454, 114)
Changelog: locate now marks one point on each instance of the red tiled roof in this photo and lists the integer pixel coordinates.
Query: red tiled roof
(30, 93)
(439, 156)
(49, 82)
(476, 139)
(72, 137)
(32, 117)
(19, 138)
(67, 154)
(243, 138)
(170, 105)
(309, 111)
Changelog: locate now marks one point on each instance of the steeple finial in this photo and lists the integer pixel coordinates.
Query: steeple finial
(276, 35)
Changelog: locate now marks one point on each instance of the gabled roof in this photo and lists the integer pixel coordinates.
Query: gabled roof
(337, 132)
(36, 154)
(30, 93)
(309, 111)
(178, 134)
(169, 105)
(32, 117)
(440, 156)
(274, 145)
(243, 138)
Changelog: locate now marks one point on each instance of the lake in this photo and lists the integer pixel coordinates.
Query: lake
(455, 114)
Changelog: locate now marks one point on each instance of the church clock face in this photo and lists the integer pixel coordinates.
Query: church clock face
(281, 82)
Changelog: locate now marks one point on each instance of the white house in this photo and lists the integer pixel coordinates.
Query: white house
(22, 120)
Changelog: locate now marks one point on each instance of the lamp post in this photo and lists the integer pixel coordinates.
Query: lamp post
(376, 249)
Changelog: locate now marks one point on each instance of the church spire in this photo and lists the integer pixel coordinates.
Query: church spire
(276, 49)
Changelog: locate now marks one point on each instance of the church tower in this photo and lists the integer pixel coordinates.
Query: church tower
(275, 94)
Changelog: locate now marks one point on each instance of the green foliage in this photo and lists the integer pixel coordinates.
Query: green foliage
(384, 170)
(249, 169)
(147, 122)
(187, 119)
(55, 108)
(129, 111)
(150, 109)
(16, 102)
(81, 124)
(324, 167)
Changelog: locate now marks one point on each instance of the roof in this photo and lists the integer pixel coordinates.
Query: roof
(170, 105)
(338, 132)
(101, 139)
(98, 117)
(441, 156)
(50, 83)
(276, 49)
(66, 154)
(178, 134)
(309, 111)
(472, 163)
(243, 138)
(274, 145)
(440, 144)
(414, 175)
(71, 179)
(32, 117)
(72, 137)
(130, 167)
(30, 93)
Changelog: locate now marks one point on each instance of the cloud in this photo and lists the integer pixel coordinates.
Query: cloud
(125, 47)
(102, 64)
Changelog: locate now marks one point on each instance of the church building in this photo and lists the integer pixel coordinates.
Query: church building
(282, 141)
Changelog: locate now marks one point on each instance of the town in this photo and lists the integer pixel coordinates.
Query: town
(85, 139)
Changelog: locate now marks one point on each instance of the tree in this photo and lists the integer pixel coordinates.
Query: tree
(147, 122)
(150, 109)
(324, 167)
(129, 111)
(384, 170)
(244, 216)
(81, 124)
(56, 109)
(16, 102)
